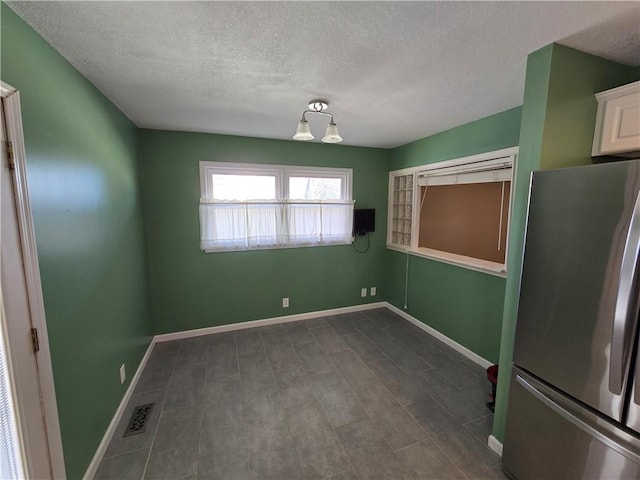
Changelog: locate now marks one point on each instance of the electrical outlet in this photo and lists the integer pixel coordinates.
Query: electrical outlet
(363, 292)
(123, 374)
(373, 291)
(285, 302)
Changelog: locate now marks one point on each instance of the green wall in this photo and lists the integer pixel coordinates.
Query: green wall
(571, 106)
(191, 289)
(463, 304)
(558, 120)
(83, 157)
(494, 132)
(81, 168)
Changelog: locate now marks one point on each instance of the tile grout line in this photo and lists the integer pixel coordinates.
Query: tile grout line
(278, 390)
(476, 419)
(235, 336)
(155, 433)
(443, 349)
(401, 406)
(200, 421)
(367, 414)
(456, 419)
(393, 396)
(355, 326)
(275, 381)
(356, 421)
(435, 439)
(125, 453)
(105, 457)
(202, 408)
(393, 363)
(392, 338)
(437, 444)
(333, 427)
(440, 449)
(237, 358)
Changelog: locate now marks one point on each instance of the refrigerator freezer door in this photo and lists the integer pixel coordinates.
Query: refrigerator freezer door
(577, 236)
(549, 436)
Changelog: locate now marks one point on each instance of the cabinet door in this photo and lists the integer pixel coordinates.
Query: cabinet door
(620, 127)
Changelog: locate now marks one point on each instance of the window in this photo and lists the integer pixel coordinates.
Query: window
(455, 211)
(248, 206)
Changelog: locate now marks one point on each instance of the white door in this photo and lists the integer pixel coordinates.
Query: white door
(11, 451)
(21, 315)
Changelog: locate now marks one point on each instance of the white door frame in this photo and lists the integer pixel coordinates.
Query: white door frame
(13, 117)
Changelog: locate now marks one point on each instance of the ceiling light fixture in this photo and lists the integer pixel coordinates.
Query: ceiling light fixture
(303, 132)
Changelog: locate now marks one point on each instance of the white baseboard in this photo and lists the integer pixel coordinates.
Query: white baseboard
(267, 321)
(484, 363)
(323, 313)
(495, 445)
(102, 448)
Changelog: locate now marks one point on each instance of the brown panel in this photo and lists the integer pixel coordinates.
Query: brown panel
(464, 219)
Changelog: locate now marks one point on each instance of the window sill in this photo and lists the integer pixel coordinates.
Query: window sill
(275, 247)
(476, 264)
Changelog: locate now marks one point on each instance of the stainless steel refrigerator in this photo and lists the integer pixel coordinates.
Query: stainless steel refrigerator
(574, 402)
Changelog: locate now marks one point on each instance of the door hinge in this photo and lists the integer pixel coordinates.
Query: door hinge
(12, 161)
(35, 342)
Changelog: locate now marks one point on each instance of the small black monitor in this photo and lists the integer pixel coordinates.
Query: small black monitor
(364, 220)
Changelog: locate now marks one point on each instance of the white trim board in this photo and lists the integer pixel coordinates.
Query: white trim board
(484, 363)
(106, 439)
(166, 337)
(479, 157)
(15, 135)
(495, 445)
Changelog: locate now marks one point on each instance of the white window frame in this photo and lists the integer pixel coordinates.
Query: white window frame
(345, 174)
(282, 174)
(449, 169)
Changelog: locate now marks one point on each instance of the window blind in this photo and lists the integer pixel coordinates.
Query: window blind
(10, 458)
(495, 170)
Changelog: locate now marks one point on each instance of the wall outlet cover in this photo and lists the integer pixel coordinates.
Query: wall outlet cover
(373, 291)
(363, 292)
(285, 302)
(123, 374)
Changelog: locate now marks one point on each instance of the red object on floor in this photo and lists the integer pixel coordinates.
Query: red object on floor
(492, 375)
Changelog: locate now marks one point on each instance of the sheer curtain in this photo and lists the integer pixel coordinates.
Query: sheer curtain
(247, 225)
(319, 223)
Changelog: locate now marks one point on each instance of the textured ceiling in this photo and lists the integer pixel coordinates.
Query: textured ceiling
(393, 72)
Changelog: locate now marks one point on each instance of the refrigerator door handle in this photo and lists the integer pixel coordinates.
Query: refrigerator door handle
(620, 339)
(588, 429)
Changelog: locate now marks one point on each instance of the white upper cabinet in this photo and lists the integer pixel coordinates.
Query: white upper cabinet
(618, 121)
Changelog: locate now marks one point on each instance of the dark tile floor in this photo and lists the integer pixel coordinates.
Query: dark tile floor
(365, 395)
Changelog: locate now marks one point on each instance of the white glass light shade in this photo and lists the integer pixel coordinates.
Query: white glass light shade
(303, 132)
(331, 135)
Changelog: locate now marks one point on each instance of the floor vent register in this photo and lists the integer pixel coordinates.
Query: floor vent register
(138, 421)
